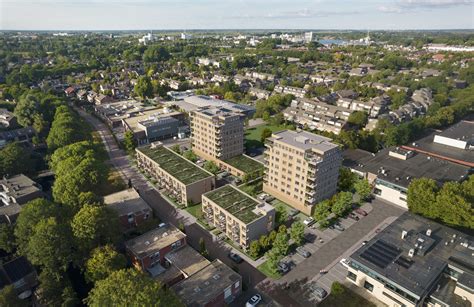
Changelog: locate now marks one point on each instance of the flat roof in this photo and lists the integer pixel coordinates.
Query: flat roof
(187, 260)
(235, 202)
(154, 240)
(126, 201)
(304, 140)
(402, 172)
(463, 130)
(180, 168)
(18, 186)
(388, 254)
(245, 164)
(207, 284)
(144, 116)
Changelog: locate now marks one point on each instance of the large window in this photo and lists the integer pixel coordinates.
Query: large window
(368, 286)
(351, 276)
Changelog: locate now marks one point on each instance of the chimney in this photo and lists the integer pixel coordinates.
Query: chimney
(404, 234)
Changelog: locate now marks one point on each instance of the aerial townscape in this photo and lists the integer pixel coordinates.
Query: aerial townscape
(237, 165)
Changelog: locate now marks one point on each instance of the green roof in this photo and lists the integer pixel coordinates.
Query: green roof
(235, 202)
(175, 165)
(245, 164)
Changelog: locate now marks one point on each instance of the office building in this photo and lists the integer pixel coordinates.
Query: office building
(416, 262)
(239, 216)
(176, 176)
(301, 168)
(217, 133)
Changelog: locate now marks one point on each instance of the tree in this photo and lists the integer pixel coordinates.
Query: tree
(254, 249)
(130, 287)
(7, 238)
(342, 203)
(30, 215)
(363, 189)
(9, 298)
(26, 108)
(155, 53)
(421, 197)
(281, 215)
(358, 118)
(67, 128)
(190, 155)
(202, 246)
(274, 257)
(337, 288)
(129, 141)
(281, 245)
(264, 242)
(103, 261)
(15, 159)
(322, 210)
(454, 207)
(346, 179)
(266, 133)
(297, 233)
(95, 225)
(143, 88)
(211, 167)
(56, 289)
(50, 246)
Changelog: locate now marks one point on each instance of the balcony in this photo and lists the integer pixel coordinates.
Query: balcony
(311, 193)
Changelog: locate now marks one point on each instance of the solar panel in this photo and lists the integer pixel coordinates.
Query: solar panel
(380, 253)
(404, 262)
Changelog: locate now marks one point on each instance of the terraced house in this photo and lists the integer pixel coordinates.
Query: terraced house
(241, 217)
(178, 177)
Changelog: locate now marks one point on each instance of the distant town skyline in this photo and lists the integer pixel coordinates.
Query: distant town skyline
(235, 14)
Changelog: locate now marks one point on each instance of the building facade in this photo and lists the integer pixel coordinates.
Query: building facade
(217, 133)
(176, 176)
(238, 215)
(301, 168)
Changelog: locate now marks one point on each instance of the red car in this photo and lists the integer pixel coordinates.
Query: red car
(361, 212)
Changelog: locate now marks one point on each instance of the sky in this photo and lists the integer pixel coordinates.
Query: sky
(235, 14)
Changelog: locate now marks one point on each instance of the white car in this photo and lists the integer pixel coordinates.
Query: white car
(344, 262)
(309, 221)
(254, 300)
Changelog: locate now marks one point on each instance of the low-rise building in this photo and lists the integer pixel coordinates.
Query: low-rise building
(214, 285)
(131, 209)
(15, 192)
(21, 275)
(416, 262)
(7, 119)
(391, 171)
(20, 135)
(295, 91)
(239, 216)
(149, 249)
(181, 179)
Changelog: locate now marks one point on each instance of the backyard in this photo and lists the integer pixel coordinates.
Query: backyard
(253, 135)
(346, 298)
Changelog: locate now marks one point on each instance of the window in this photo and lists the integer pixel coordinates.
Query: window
(351, 276)
(368, 286)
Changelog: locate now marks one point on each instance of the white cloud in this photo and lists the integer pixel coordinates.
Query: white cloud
(401, 6)
(389, 9)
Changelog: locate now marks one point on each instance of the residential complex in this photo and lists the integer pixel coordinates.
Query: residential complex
(217, 133)
(416, 262)
(131, 209)
(15, 192)
(181, 179)
(239, 216)
(301, 168)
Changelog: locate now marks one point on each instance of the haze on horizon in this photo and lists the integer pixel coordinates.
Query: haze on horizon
(235, 14)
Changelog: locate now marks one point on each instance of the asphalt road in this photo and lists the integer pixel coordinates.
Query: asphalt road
(288, 290)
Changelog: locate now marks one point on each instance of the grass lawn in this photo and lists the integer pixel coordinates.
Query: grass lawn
(253, 135)
(264, 268)
(245, 164)
(347, 299)
(113, 184)
(195, 210)
(252, 188)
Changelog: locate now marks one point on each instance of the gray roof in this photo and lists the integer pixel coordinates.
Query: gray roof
(387, 253)
(19, 186)
(126, 201)
(304, 140)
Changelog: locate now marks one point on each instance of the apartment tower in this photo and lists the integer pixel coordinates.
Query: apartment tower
(217, 133)
(301, 168)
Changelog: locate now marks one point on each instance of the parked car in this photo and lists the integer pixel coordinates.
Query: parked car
(283, 267)
(309, 221)
(254, 300)
(339, 227)
(344, 262)
(304, 253)
(309, 237)
(262, 196)
(354, 216)
(361, 212)
(364, 242)
(318, 292)
(294, 212)
(235, 257)
(269, 199)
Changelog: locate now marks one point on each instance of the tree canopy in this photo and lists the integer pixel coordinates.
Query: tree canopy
(103, 261)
